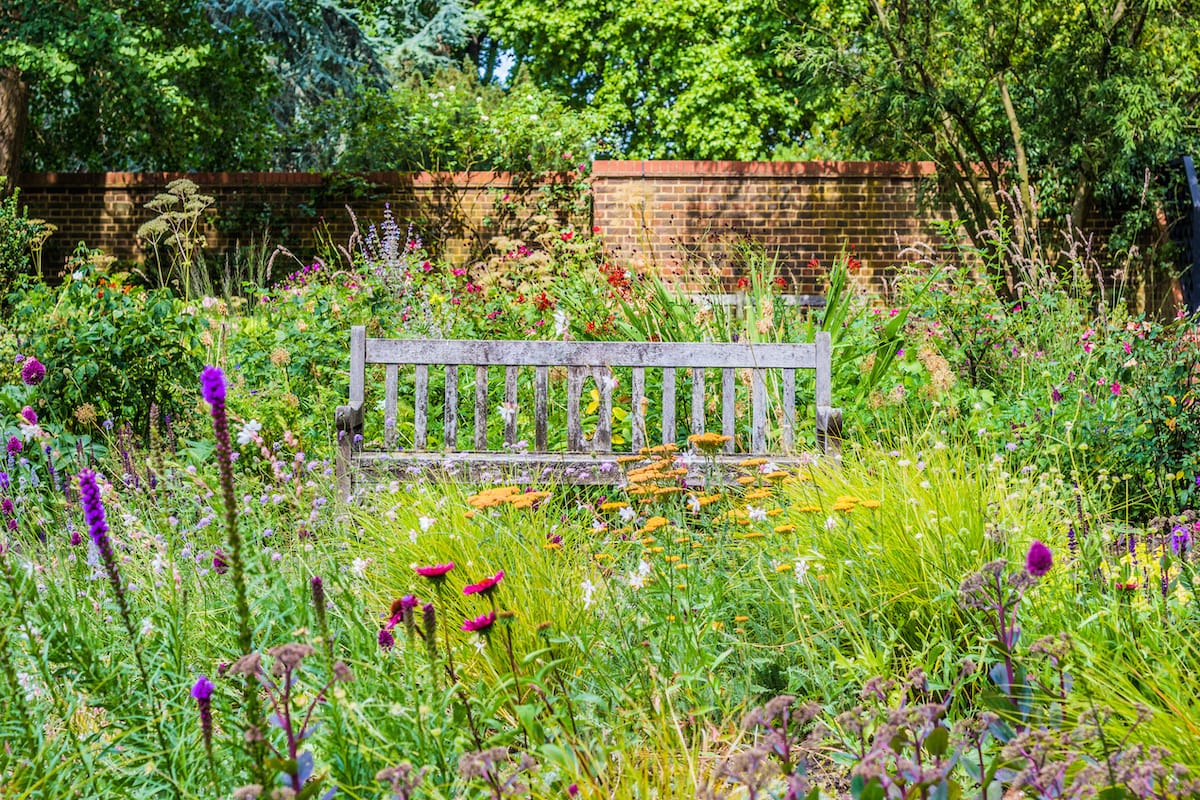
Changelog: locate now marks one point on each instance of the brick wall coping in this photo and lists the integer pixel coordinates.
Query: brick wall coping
(742, 169)
(316, 180)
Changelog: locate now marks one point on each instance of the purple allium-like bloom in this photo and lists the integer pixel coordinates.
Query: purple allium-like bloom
(33, 372)
(1039, 559)
(14, 446)
(481, 624)
(220, 566)
(386, 640)
(6, 506)
(29, 415)
(485, 586)
(1055, 395)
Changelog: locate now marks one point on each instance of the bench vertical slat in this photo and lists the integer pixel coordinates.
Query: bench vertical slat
(637, 393)
(758, 398)
(389, 406)
(541, 395)
(728, 407)
(574, 426)
(450, 413)
(510, 405)
(420, 406)
(698, 400)
(602, 442)
(824, 380)
(481, 398)
(829, 419)
(358, 365)
(668, 405)
(789, 410)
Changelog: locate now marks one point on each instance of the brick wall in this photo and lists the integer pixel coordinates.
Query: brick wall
(680, 215)
(675, 215)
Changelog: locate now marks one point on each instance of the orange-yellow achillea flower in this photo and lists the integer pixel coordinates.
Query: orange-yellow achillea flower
(745, 480)
(784, 568)
(553, 545)
(870, 504)
(777, 475)
(809, 509)
(708, 499)
(785, 528)
(752, 462)
(741, 618)
(603, 556)
(493, 496)
(681, 586)
(649, 540)
(672, 559)
(653, 524)
(613, 505)
(659, 449)
(657, 550)
(774, 512)
(470, 514)
(757, 494)
(629, 459)
(681, 566)
(682, 539)
(753, 535)
(528, 499)
(717, 625)
(708, 442)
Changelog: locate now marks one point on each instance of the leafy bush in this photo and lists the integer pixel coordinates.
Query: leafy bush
(108, 345)
(20, 237)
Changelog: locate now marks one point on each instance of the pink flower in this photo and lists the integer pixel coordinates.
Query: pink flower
(1116, 388)
(435, 572)
(1088, 347)
(485, 586)
(480, 624)
(1128, 349)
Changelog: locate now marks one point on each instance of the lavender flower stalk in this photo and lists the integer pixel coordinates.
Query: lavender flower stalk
(212, 388)
(202, 691)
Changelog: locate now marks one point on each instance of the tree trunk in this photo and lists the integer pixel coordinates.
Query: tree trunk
(14, 110)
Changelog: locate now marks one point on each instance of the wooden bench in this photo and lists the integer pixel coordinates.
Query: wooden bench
(586, 459)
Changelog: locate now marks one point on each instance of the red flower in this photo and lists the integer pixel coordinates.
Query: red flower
(480, 624)
(543, 302)
(485, 586)
(568, 236)
(853, 264)
(590, 327)
(781, 282)
(814, 263)
(743, 284)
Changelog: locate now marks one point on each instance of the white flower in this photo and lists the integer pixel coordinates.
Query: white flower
(560, 323)
(589, 589)
(627, 514)
(598, 525)
(768, 467)
(508, 412)
(359, 566)
(693, 503)
(248, 432)
(801, 570)
(147, 627)
(29, 432)
(479, 643)
(830, 523)
(609, 382)
(637, 578)
(426, 523)
(756, 514)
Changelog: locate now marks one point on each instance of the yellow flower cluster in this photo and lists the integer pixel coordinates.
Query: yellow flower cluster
(514, 496)
(708, 442)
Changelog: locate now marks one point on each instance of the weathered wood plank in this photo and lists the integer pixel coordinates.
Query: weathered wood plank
(758, 419)
(390, 402)
(789, 409)
(698, 400)
(420, 406)
(602, 440)
(610, 354)
(668, 405)
(541, 403)
(450, 413)
(358, 364)
(729, 407)
(510, 405)
(637, 396)
(823, 348)
(574, 425)
(481, 409)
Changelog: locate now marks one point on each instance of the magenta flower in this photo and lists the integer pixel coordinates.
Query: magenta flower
(219, 564)
(386, 640)
(14, 446)
(1039, 559)
(435, 572)
(202, 691)
(485, 586)
(481, 624)
(29, 415)
(33, 372)
(1115, 388)
(400, 610)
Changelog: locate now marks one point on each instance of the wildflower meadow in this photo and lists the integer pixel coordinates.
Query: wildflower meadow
(991, 593)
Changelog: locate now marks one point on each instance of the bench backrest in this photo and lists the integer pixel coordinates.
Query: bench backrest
(583, 360)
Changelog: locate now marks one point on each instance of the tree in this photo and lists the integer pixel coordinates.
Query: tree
(677, 78)
(1032, 109)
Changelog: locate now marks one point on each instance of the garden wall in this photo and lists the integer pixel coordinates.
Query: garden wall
(669, 214)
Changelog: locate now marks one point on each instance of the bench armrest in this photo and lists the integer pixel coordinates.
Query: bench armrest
(829, 431)
(348, 421)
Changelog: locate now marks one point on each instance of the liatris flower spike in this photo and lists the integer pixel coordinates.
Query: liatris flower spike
(202, 691)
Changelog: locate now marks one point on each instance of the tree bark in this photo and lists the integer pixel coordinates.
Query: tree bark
(14, 111)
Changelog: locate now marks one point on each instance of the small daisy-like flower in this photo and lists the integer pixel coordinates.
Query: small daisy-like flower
(756, 514)
(248, 432)
(435, 572)
(426, 523)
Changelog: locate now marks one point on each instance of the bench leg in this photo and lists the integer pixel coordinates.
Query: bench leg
(829, 431)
